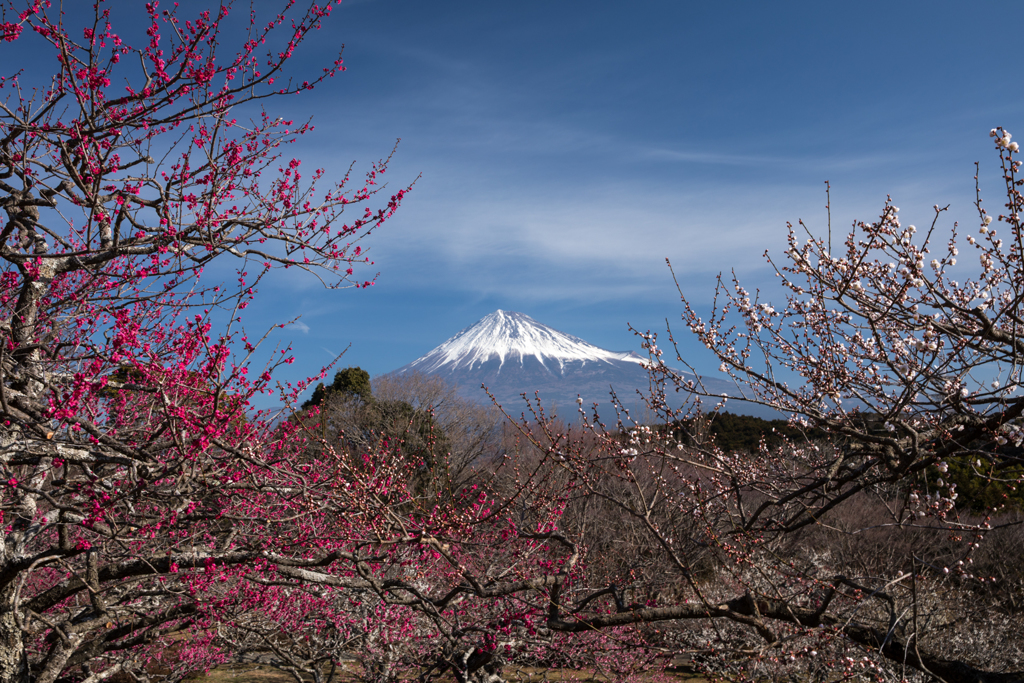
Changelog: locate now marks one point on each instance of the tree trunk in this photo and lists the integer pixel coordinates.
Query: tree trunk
(12, 641)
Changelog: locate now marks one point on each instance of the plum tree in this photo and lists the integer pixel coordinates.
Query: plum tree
(845, 551)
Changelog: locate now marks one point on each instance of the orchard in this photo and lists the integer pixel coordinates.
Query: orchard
(156, 525)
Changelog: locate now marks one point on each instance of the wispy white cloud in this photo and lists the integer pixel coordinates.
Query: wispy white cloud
(298, 325)
(611, 241)
(837, 162)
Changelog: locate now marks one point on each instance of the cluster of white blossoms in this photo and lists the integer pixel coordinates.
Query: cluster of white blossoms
(1011, 432)
(1004, 141)
(986, 261)
(641, 435)
(938, 503)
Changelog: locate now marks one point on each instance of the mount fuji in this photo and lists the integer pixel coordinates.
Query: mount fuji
(512, 354)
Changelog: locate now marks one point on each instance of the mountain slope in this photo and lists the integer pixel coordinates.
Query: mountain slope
(512, 354)
(515, 337)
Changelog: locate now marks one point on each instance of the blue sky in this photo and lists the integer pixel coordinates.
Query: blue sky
(565, 149)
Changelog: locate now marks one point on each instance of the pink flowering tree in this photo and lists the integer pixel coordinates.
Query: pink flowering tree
(139, 490)
(154, 524)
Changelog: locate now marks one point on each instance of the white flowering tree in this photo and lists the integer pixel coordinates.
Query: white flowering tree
(881, 543)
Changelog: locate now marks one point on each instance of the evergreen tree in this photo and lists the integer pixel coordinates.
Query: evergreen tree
(352, 381)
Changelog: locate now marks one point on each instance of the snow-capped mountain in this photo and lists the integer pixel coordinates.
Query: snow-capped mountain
(518, 340)
(512, 354)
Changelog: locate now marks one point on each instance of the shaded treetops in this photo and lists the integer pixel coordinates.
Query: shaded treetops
(351, 382)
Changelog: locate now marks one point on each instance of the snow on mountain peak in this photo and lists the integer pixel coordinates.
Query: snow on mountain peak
(512, 337)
